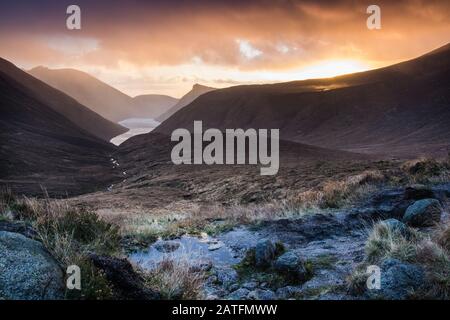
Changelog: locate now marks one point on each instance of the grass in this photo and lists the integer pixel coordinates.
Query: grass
(69, 234)
(175, 279)
(426, 170)
(430, 251)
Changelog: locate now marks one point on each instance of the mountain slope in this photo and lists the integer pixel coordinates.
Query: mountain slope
(152, 105)
(63, 104)
(42, 144)
(101, 97)
(197, 90)
(403, 109)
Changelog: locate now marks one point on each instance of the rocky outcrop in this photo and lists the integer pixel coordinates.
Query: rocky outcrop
(28, 272)
(423, 213)
(291, 265)
(264, 253)
(397, 226)
(398, 280)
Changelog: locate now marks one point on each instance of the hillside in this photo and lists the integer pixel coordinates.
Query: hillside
(101, 97)
(196, 91)
(47, 141)
(398, 110)
(152, 105)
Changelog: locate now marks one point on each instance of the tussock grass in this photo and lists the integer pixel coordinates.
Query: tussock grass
(175, 279)
(384, 242)
(430, 251)
(426, 170)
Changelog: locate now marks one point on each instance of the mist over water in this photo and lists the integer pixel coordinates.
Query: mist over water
(137, 126)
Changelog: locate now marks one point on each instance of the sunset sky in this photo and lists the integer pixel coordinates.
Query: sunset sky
(167, 46)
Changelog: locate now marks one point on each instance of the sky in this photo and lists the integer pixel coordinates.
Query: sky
(164, 47)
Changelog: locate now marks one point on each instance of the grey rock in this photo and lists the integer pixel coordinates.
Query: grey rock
(215, 246)
(260, 294)
(234, 287)
(398, 279)
(288, 292)
(226, 276)
(28, 271)
(398, 226)
(264, 253)
(423, 213)
(239, 294)
(292, 265)
(250, 285)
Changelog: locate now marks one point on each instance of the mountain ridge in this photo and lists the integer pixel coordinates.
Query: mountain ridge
(397, 110)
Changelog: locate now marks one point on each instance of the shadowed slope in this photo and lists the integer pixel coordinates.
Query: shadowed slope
(403, 109)
(197, 91)
(101, 97)
(41, 146)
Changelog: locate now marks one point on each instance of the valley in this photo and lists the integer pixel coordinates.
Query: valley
(363, 179)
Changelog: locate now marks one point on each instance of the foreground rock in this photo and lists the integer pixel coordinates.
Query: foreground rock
(398, 280)
(28, 272)
(291, 265)
(423, 213)
(264, 253)
(126, 282)
(397, 226)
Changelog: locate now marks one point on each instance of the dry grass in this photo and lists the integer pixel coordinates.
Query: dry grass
(69, 234)
(384, 242)
(427, 170)
(175, 279)
(430, 251)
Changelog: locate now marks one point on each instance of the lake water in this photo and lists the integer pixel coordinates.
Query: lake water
(137, 126)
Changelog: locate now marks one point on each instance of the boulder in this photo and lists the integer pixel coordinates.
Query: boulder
(418, 192)
(226, 276)
(27, 270)
(127, 283)
(239, 294)
(288, 292)
(292, 265)
(265, 252)
(398, 226)
(398, 280)
(261, 294)
(423, 213)
(250, 285)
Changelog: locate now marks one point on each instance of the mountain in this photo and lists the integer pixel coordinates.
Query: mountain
(196, 91)
(101, 97)
(152, 105)
(402, 109)
(63, 104)
(49, 140)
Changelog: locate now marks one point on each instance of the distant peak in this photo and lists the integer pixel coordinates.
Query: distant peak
(197, 87)
(39, 68)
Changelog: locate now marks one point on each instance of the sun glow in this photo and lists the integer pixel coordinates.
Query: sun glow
(332, 68)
